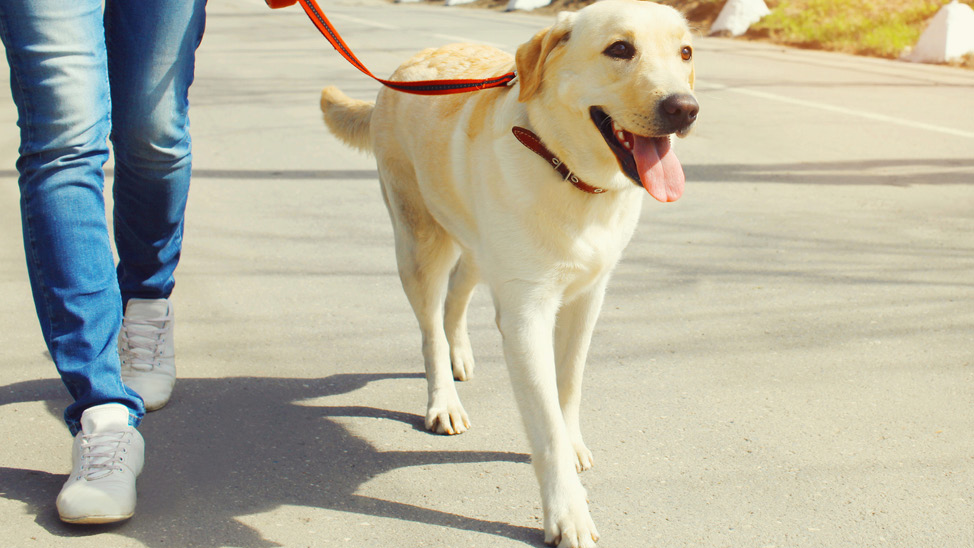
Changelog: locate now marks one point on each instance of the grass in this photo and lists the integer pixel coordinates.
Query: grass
(879, 28)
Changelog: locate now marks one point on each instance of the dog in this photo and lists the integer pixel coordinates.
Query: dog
(534, 189)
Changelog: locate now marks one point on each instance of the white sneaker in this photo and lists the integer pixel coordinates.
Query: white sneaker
(106, 457)
(147, 352)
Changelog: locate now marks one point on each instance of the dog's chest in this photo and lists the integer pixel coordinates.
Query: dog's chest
(590, 250)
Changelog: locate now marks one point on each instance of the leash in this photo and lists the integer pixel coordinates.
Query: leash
(435, 87)
(419, 87)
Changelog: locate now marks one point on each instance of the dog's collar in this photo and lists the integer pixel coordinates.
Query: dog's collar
(533, 142)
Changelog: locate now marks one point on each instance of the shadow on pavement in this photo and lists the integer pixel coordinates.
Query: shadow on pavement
(242, 445)
(936, 171)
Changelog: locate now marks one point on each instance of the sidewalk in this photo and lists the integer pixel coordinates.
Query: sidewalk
(778, 363)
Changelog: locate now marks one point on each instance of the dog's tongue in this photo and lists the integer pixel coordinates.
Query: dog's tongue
(659, 169)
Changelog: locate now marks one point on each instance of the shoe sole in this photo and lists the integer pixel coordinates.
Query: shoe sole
(95, 520)
(155, 407)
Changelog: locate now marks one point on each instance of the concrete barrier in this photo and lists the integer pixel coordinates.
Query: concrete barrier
(738, 15)
(949, 36)
(526, 5)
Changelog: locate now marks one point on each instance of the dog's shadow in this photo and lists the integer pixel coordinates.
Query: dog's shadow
(237, 446)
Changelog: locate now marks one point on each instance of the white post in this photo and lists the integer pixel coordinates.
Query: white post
(949, 36)
(738, 15)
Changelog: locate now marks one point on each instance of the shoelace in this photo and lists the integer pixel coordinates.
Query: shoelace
(141, 343)
(103, 453)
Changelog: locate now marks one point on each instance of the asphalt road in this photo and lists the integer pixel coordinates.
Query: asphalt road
(785, 357)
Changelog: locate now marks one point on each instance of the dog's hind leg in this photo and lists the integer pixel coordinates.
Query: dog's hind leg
(425, 254)
(463, 280)
(573, 334)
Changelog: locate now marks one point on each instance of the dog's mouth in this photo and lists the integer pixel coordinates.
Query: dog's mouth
(648, 160)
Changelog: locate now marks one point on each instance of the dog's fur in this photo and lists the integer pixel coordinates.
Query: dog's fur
(468, 202)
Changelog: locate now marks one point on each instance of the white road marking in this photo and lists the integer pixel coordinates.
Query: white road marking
(841, 110)
(384, 26)
(363, 22)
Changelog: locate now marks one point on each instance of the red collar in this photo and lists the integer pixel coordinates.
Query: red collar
(533, 142)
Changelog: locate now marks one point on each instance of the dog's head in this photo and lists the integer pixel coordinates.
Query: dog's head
(611, 84)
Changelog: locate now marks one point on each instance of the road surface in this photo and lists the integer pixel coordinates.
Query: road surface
(785, 357)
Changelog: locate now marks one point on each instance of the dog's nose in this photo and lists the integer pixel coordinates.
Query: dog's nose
(679, 110)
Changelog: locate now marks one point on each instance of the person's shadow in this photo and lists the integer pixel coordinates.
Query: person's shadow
(242, 445)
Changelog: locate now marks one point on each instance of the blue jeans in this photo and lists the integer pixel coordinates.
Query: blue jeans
(80, 77)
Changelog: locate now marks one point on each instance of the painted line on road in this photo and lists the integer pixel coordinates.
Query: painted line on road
(364, 22)
(385, 26)
(842, 110)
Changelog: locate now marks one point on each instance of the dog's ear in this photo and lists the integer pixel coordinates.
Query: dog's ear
(531, 55)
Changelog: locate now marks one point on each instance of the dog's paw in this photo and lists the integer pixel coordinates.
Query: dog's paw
(572, 527)
(462, 358)
(448, 419)
(584, 459)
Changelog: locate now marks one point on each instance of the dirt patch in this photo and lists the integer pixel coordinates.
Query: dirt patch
(701, 13)
(877, 28)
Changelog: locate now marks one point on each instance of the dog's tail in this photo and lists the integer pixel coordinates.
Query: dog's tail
(349, 119)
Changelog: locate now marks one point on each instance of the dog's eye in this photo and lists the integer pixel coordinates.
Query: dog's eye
(621, 50)
(686, 53)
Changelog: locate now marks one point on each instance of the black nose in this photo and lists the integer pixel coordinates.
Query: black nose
(679, 110)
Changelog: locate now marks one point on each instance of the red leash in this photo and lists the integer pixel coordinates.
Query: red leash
(420, 87)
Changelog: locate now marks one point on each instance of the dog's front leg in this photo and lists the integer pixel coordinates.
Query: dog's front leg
(573, 334)
(526, 319)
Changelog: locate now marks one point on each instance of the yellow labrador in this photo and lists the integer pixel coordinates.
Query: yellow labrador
(534, 189)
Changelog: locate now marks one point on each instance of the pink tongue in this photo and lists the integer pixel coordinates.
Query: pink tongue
(659, 169)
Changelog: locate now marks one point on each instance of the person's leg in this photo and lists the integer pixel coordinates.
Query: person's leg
(56, 53)
(151, 56)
